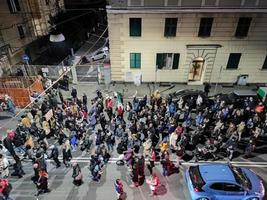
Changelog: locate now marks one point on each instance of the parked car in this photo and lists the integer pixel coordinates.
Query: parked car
(102, 54)
(222, 181)
(237, 97)
(187, 94)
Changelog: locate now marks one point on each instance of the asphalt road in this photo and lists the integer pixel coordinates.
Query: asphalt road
(60, 182)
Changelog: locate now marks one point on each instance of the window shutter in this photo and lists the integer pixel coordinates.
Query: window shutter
(132, 60)
(10, 6)
(265, 63)
(135, 26)
(170, 27)
(205, 27)
(138, 60)
(16, 2)
(233, 61)
(21, 32)
(176, 59)
(243, 26)
(159, 61)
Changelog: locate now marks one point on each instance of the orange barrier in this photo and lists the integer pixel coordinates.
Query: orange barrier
(20, 88)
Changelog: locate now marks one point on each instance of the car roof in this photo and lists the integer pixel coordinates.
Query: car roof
(188, 92)
(245, 93)
(216, 172)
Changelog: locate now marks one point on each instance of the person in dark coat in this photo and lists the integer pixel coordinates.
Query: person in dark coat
(54, 156)
(76, 174)
(207, 88)
(42, 183)
(74, 93)
(18, 171)
(66, 152)
(84, 99)
(8, 143)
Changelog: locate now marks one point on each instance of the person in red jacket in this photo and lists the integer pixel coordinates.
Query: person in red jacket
(154, 183)
(121, 195)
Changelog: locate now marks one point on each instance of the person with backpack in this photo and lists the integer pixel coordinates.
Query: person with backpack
(76, 174)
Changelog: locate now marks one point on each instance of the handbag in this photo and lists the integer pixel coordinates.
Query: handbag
(79, 176)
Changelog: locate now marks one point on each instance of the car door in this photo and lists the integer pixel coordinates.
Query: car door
(234, 191)
(226, 191)
(216, 191)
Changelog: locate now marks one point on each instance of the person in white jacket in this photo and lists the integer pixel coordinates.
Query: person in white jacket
(4, 171)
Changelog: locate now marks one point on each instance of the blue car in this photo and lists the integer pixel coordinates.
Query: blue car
(223, 182)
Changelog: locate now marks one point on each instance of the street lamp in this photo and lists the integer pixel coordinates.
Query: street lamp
(56, 36)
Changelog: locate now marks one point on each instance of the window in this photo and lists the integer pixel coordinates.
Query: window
(233, 60)
(170, 27)
(13, 5)
(217, 186)
(228, 187)
(135, 60)
(205, 27)
(167, 61)
(196, 178)
(135, 27)
(232, 187)
(21, 32)
(264, 66)
(243, 26)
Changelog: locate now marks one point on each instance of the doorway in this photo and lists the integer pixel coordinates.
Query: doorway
(196, 69)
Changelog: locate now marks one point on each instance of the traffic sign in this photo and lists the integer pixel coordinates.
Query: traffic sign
(25, 58)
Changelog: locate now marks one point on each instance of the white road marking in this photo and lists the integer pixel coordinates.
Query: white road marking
(235, 163)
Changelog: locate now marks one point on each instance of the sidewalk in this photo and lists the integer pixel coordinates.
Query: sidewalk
(129, 89)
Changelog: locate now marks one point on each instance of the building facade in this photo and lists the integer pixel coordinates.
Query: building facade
(23, 21)
(188, 41)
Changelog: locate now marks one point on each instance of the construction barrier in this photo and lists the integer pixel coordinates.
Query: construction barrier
(20, 89)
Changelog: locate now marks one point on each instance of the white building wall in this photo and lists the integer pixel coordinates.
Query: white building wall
(152, 41)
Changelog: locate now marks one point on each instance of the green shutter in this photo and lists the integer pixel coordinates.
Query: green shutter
(132, 60)
(159, 61)
(170, 27)
(135, 60)
(138, 60)
(135, 26)
(176, 59)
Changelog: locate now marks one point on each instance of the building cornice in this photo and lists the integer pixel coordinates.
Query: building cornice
(143, 10)
(200, 46)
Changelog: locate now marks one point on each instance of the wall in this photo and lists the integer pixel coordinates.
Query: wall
(253, 47)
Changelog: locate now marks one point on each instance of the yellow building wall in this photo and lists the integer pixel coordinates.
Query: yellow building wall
(152, 41)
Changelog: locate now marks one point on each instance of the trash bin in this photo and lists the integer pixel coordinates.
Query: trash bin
(242, 79)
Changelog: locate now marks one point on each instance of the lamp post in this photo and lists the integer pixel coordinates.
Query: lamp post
(219, 78)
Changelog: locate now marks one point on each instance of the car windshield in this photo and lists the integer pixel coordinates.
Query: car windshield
(241, 177)
(196, 177)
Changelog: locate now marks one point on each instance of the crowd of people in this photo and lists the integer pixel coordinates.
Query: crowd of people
(144, 129)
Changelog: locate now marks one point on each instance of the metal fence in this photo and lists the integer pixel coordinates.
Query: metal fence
(50, 71)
